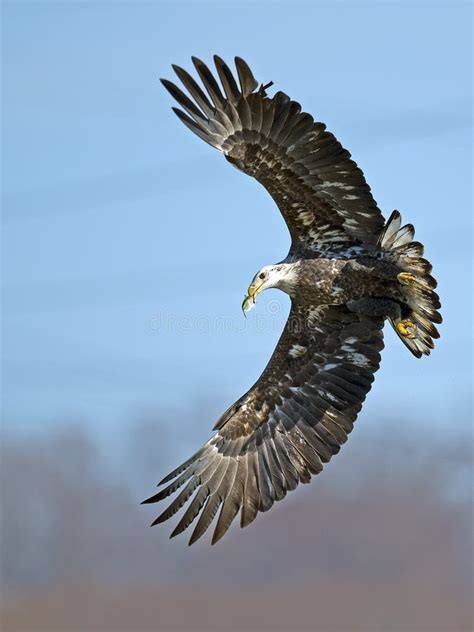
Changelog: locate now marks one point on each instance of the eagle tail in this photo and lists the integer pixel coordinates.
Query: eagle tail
(422, 302)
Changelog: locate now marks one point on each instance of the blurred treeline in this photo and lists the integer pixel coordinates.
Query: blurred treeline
(380, 541)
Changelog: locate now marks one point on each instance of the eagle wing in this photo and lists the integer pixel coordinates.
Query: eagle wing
(321, 193)
(286, 426)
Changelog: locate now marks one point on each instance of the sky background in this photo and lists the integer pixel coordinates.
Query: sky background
(127, 247)
(128, 244)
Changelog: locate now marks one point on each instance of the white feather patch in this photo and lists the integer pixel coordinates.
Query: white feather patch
(297, 351)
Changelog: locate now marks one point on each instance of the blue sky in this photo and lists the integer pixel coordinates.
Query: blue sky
(128, 243)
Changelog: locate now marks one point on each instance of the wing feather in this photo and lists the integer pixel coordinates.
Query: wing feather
(274, 469)
(178, 502)
(321, 192)
(230, 507)
(209, 83)
(283, 430)
(229, 84)
(212, 505)
(186, 103)
(248, 82)
(195, 91)
(250, 499)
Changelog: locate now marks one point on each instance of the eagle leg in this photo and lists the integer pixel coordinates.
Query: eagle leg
(407, 278)
(406, 328)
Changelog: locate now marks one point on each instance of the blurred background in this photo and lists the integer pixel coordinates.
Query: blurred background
(127, 246)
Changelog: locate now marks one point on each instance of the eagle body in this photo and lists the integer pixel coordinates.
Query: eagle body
(336, 281)
(348, 271)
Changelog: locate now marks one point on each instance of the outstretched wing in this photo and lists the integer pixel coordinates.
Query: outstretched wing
(322, 194)
(286, 426)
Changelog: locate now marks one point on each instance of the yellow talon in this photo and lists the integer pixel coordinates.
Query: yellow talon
(407, 278)
(407, 329)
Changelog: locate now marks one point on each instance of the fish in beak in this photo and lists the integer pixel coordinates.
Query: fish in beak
(251, 299)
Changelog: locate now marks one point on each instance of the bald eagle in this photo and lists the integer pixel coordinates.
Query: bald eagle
(347, 272)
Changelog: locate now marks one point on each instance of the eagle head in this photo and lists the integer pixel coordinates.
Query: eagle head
(279, 275)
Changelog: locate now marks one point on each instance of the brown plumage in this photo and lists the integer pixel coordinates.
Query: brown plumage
(346, 272)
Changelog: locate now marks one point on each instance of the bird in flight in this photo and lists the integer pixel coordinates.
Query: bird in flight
(347, 272)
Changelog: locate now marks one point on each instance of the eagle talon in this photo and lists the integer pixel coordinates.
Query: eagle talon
(407, 329)
(407, 278)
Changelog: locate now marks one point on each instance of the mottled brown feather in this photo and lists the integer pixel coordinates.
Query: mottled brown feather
(320, 191)
(281, 431)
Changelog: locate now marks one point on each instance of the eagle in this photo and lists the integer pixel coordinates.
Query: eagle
(347, 272)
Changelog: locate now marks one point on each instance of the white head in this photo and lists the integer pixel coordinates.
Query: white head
(279, 275)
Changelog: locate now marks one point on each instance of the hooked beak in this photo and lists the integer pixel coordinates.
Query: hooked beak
(251, 298)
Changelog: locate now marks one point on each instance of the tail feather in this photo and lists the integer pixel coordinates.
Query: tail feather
(404, 236)
(391, 228)
(422, 302)
(413, 249)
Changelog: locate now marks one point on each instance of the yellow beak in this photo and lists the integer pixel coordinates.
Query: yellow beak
(251, 298)
(254, 290)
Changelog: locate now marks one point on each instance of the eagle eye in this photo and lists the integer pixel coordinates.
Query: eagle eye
(261, 275)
